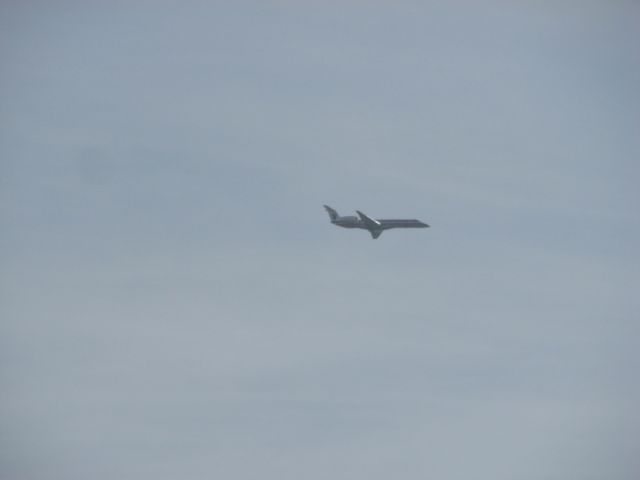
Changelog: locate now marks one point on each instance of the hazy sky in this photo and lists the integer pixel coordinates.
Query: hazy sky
(175, 303)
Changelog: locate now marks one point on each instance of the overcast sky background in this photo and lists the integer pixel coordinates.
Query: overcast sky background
(175, 303)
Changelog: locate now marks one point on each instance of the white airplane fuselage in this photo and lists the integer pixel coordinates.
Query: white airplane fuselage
(349, 221)
(374, 226)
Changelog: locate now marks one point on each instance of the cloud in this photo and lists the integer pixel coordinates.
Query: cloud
(176, 302)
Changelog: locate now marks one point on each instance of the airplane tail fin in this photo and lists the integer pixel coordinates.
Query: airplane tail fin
(332, 213)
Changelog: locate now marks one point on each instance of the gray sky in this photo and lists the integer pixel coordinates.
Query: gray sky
(175, 303)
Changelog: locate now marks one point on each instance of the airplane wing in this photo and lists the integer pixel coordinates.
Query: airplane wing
(375, 233)
(369, 222)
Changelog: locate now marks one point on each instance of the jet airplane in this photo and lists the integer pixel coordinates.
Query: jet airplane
(375, 227)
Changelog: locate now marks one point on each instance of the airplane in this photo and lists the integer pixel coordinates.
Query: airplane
(375, 227)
